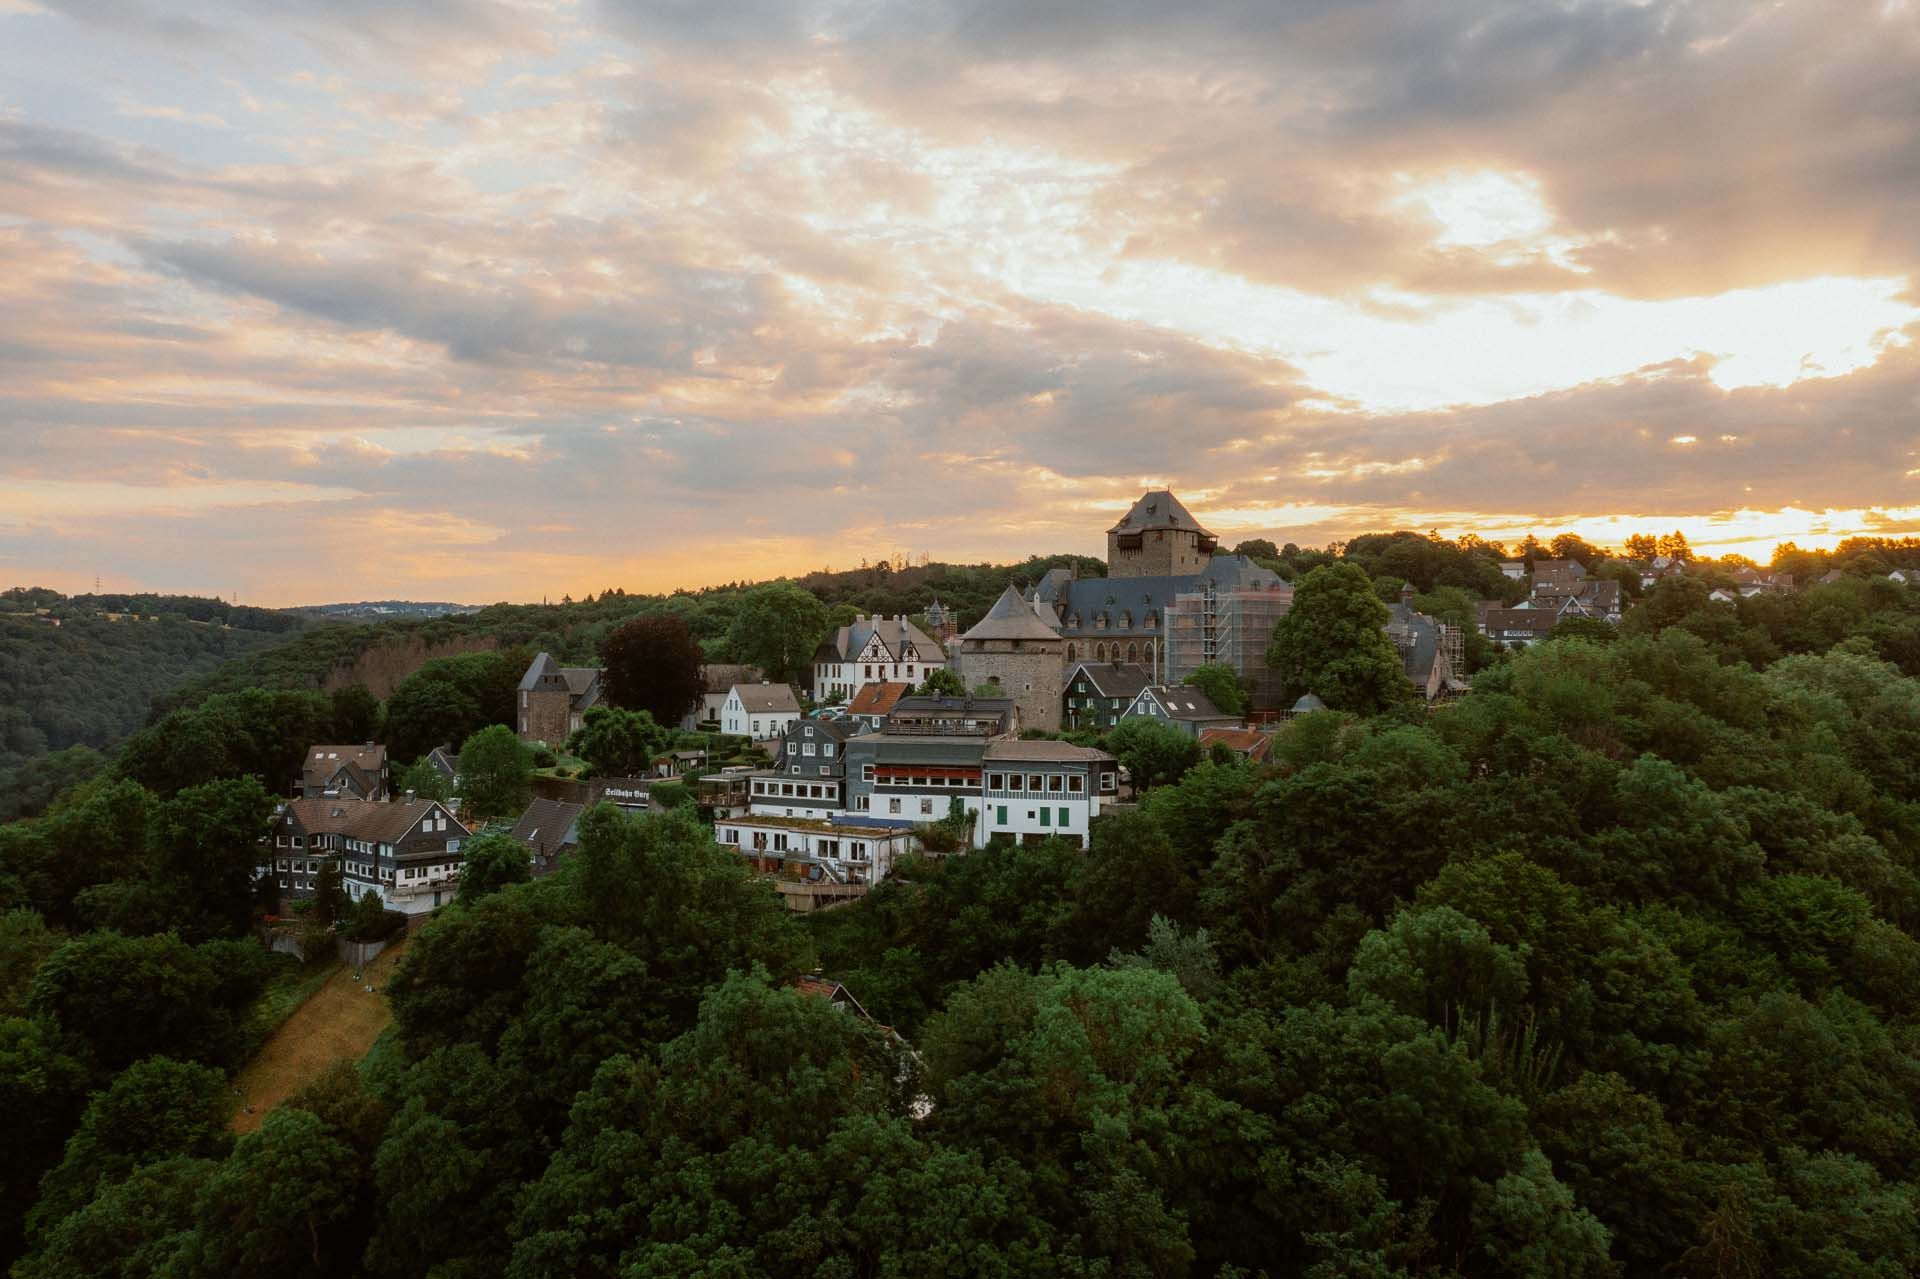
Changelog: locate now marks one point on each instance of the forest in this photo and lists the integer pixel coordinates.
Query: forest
(1608, 968)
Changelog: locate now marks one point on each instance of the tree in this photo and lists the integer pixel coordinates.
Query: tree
(153, 1109)
(206, 840)
(493, 862)
(941, 682)
(1674, 546)
(1154, 753)
(1571, 546)
(653, 664)
(426, 781)
(618, 743)
(1221, 684)
(133, 997)
(329, 892)
(1259, 548)
(496, 773)
(1333, 643)
(777, 628)
(356, 714)
(1642, 546)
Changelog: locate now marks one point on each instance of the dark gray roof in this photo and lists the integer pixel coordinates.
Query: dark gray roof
(1307, 703)
(1418, 638)
(1157, 509)
(1085, 599)
(1113, 679)
(1010, 618)
(895, 632)
(548, 825)
(1184, 701)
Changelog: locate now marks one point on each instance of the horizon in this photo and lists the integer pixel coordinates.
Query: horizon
(504, 299)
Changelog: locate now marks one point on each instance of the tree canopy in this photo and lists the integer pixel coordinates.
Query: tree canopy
(1332, 643)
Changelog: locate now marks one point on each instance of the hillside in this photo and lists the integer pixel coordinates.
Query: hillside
(82, 672)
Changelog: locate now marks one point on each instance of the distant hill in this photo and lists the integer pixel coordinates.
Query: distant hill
(382, 610)
(82, 671)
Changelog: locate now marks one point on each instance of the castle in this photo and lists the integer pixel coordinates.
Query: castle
(1168, 602)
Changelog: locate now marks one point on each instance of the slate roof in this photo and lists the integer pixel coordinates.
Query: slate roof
(1158, 509)
(548, 825)
(1185, 702)
(362, 763)
(1010, 618)
(445, 761)
(1418, 638)
(581, 682)
(895, 632)
(767, 699)
(1122, 680)
(1045, 751)
(877, 699)
(371, 820)
(1540, 621)
(1084, 600)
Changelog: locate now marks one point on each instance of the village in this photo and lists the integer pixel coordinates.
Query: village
(926, 735)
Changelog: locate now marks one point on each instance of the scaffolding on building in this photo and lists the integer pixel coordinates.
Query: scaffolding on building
(1211, 626)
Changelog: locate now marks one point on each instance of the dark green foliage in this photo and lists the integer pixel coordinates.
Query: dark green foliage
(43, 1087)
(496, 773)
(1331, 643)
(1222, 686)
(617, 743)
(492, 862)
(652, 665)
(154, 1109)
(451, 698)
(1153, 752)
(777, 627)
(941, 682)
(252, 732)
(131, 997)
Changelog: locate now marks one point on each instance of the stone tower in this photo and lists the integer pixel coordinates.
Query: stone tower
(1013, 648)
(1158, 538)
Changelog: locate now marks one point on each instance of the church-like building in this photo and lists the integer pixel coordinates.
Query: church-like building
(1168, 603)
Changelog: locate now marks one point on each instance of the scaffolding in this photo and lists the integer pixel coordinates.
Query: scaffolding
(1211, 626)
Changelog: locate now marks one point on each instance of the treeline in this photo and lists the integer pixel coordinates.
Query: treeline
(71, 690)
(1608, 968)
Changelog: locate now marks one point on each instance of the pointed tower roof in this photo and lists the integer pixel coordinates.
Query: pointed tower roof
(1011, 617)
(1158, 509)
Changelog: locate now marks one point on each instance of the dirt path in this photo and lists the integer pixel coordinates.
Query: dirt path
(339, 1022)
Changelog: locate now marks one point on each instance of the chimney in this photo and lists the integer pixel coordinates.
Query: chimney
(409, 797)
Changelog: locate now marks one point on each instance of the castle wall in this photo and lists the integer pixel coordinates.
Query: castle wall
(1155, 553)
(1031, 672)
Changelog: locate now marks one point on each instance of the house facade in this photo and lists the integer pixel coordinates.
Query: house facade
(762, 712)
(406, 852)
(352, 772)
(870, 650)
(842, 851)
(1043, 790)
(1181, 705)
(552, 699)
(717, 680)
(809, 773)
(1099, 693)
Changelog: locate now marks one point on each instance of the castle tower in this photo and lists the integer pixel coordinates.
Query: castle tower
(1158, 538)
(1013, 648)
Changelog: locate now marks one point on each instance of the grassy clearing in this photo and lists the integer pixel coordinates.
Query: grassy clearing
(339, 1021)
(291, 985)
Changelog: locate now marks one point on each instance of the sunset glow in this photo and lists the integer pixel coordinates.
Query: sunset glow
(484, 299)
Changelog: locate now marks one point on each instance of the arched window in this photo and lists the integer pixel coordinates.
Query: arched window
(1071, 652)
(1100, 622)
(1099, 652)
(1133, 652)
(1149, 652)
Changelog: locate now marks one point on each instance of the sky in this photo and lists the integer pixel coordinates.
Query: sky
(510, 299)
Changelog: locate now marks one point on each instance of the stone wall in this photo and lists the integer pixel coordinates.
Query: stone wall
(1031, 672)
(1161, 553)
(547, 716)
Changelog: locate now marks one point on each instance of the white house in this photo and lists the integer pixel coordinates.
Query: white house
(809, 775)
(1181, 705)
(844, 851)
(1036, 790)
(874, 650)
(759, 711)
(716, 681)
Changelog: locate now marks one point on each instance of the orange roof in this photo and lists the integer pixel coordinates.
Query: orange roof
(1252, 743)
(877, 699)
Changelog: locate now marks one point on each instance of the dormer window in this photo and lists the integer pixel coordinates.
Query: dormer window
(1126, 620)
(1100, 622)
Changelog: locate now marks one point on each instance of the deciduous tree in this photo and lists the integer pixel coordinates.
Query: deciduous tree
(653, 664)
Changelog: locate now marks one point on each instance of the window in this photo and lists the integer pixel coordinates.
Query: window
(825, 771)
(1074, 784)
(893, 806)
(866, 772)
(1000, 815)
(1055, 782)
(1033, 781)
(1063, 817)
(806, 748)
(826, 750)
(926, 806)
(1046, 817)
